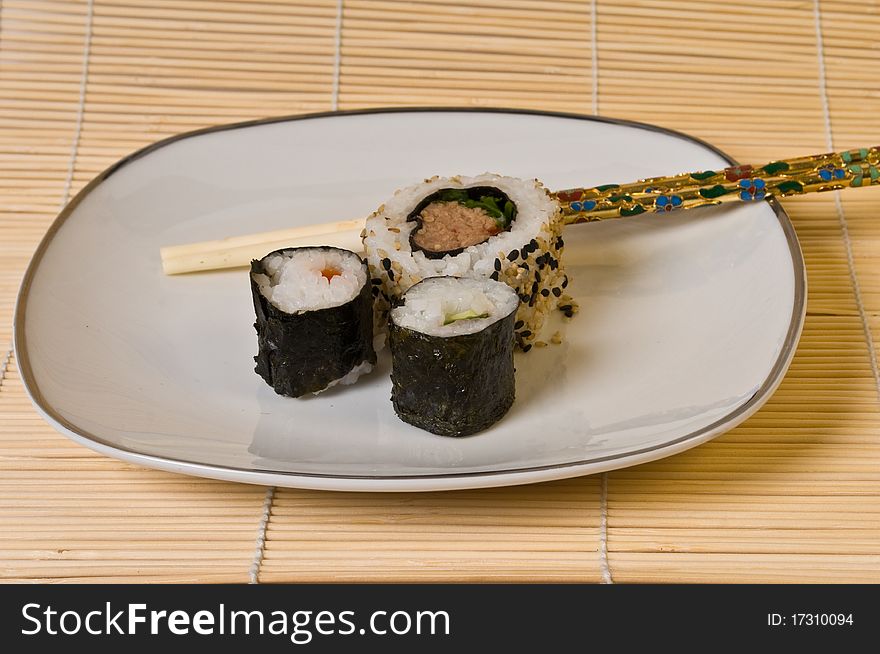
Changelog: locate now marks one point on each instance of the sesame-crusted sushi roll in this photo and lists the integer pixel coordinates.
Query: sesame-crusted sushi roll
(314, 319)
(484, 227)
(452, 354)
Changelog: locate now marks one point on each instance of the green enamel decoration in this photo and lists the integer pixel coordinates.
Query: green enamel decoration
(713, 191)
(619, 198)
(863, 153)
(873, 172)
(634, 210)
(606, 187)
(846, 156)
(790, 186)
(856, 170)
(706, 174)
(775, 167)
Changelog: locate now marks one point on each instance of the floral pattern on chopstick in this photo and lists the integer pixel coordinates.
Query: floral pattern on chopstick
(736, 183)
(831, 172)
(667, 202)
(752, 189)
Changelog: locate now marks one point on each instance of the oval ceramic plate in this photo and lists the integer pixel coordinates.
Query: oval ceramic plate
(687, 322)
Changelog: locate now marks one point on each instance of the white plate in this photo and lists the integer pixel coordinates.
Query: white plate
(687, 321)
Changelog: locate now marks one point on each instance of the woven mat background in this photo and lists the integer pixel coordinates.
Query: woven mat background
(792, 495)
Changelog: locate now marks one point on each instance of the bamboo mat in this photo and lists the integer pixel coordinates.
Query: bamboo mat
(792, 495)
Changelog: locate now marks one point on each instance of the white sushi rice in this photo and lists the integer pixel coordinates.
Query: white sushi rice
(296, 281)
(309, 279)
(430, 305)
(534, 210)
(395, 267)
(363, 368)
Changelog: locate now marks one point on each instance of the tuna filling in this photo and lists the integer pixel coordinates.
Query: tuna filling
(450, 220)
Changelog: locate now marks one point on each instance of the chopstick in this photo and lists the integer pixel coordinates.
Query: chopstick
(782, 178)
(241, 250)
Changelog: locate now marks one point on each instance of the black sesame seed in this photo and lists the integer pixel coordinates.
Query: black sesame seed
(498, 265)
(559, 243)
(554, 264)
(565, 281)
(545, 292)
(564, 307)
(557, 291)
(494, 275)
(524, 297)
(391, 275)
(534, 287)
(533, 244)
(518, 324)
(525, 333)
(513, 255)
(525, 254)
(532, 299)
(537, 276)
(386, 263)
(524, 266)
(526, 348)
(569, 314)
(375, 281)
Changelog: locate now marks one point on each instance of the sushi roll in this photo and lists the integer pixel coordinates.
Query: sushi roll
(484, 227)
(452, 354)
(314, 319)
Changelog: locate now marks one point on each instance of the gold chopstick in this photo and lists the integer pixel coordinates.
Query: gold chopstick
(812, 174)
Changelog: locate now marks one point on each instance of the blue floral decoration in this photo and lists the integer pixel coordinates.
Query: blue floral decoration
(752, 189)
(667, 203)
(586, 205)
(830, 173)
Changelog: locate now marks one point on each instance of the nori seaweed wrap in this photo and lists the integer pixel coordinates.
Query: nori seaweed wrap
(452, 343)
(314, 323)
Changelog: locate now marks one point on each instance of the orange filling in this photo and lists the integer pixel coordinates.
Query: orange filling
(330, 273)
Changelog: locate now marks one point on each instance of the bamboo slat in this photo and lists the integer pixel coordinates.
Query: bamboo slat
(769, 516)
(791, 495)
(546, 531)
(69, 514)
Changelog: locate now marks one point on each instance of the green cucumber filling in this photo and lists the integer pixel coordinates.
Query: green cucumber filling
(463, 315)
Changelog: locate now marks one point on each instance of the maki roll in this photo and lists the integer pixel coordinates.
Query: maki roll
(452, 354)
(484, 227)
(314, 319)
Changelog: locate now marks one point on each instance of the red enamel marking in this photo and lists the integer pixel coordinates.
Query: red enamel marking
(569, 196)
(735, 173)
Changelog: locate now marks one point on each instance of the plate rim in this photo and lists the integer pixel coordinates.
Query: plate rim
(411, 482)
